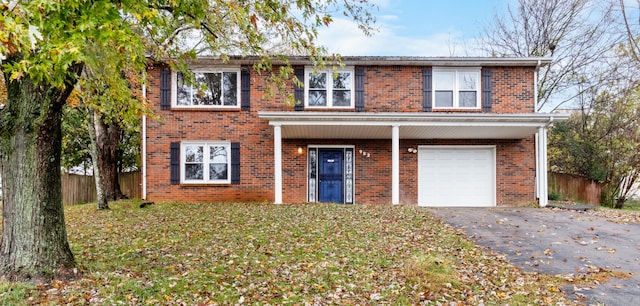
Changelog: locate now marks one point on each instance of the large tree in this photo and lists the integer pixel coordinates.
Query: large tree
(107, 97)
(578, 34)
(46, 44)
(631, 20)
(600, 141)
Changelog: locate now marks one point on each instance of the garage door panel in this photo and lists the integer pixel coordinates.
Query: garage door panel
(456, 176)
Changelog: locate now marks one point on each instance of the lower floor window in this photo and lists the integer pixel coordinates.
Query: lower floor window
(205, 162)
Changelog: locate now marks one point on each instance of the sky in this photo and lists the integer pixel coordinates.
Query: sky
(415, 28)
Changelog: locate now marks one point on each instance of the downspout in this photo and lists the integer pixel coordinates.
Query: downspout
(144, 145)
(535, 86)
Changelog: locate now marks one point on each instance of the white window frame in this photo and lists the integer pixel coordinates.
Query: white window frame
(174, 88)
(456, 87)
(329, 72)
(206, 162)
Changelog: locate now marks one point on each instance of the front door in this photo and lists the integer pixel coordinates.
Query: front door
(330, 176)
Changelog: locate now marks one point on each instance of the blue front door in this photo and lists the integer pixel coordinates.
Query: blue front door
(330, 176)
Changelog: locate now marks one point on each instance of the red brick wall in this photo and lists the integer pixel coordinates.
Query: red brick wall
(387, 89)
(256, 148)
(393, 89)
(512, 90)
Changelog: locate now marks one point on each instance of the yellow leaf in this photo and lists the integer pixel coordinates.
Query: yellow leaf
(16, 75)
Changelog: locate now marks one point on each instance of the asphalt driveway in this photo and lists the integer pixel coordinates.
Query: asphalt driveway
(559, 242)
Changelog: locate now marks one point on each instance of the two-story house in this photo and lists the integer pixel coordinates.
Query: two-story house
(398, 130)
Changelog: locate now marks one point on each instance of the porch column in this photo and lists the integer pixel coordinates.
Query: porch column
(277, 165)
(541, 154)
(395, 165)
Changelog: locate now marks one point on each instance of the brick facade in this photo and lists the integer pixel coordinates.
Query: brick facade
(389, 88)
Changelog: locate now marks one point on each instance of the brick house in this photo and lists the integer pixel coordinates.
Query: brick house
(399, 130)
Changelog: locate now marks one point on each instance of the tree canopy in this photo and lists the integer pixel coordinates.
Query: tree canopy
(47, 45)
(578, 35)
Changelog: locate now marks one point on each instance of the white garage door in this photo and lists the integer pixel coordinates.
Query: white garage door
(456, 176)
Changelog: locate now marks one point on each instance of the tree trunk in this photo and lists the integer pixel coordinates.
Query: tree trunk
(620, 203)
(34, 243)
(105, 138)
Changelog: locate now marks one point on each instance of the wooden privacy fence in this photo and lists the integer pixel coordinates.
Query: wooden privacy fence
(77, 189)
(575, 188)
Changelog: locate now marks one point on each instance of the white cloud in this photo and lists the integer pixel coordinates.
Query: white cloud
(387, 17)
(344, 37)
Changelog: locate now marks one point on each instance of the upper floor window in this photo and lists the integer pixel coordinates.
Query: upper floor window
(456, 88)
(210, 89)
(206, 162)
(329, 88)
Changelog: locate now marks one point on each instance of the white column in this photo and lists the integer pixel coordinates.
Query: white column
(277, 153)
(543, 183)
(395, 165)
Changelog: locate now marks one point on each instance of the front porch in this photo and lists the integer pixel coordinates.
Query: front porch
(414, 128)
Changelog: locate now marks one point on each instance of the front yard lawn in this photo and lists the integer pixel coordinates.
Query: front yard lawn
(265, 254)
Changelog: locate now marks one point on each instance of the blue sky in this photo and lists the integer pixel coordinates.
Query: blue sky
(416, 28)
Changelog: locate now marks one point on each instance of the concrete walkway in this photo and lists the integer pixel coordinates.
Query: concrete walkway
(559, 242)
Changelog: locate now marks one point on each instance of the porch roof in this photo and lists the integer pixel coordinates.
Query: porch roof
(368, 125)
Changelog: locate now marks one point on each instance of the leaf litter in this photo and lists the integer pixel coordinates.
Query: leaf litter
(306, 254)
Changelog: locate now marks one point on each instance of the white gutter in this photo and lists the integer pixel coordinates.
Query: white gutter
(293, 117)
(144, 147)
(385, 61)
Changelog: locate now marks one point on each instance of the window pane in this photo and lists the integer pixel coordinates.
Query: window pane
(193, 154)
(468, 80)
(209, 89)
(184, 91)
(467, 99)
(318, 81)
(443, 80)
(217, 171)
(317, 98)
(342, 98)
(444, 99)
(342, 81)
(193, 171)
(218, 154)
(230, 88)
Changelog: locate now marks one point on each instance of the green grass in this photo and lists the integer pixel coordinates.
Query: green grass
(633, 205)
(227, 253)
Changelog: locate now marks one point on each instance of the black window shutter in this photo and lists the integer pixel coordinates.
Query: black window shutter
(235, 163)
(359, 89)
(165, 88)
(299, 90)
(427, 81)
(175, 163)
(486, 90)
(245, 89)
